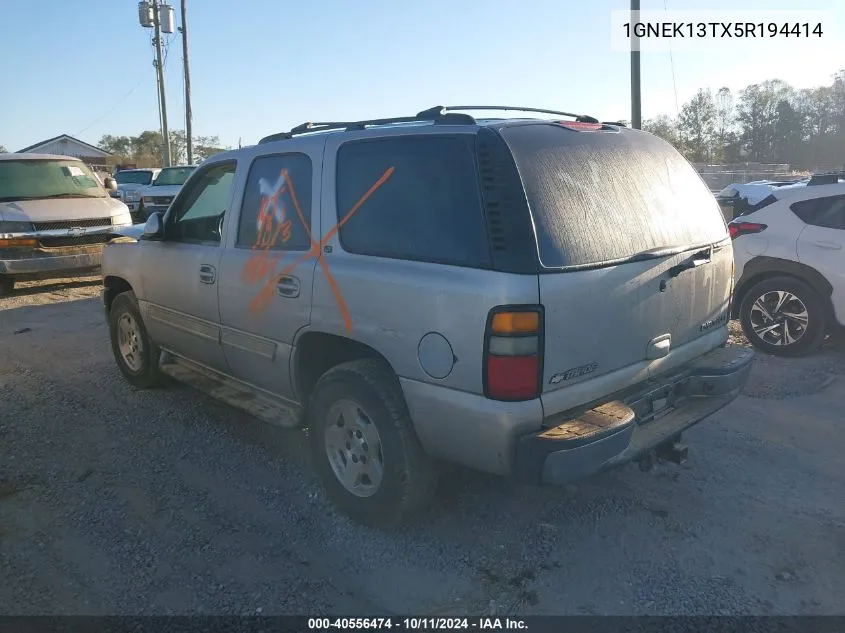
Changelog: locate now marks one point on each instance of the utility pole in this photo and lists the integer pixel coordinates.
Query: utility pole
(165, 134)
(188, 113)
(636, 97)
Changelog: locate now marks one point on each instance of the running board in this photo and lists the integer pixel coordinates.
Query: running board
(236, 394)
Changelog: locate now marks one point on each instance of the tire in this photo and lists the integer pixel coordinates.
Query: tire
(144, 372)
(368, 392)
(807, 333)
(7, 285)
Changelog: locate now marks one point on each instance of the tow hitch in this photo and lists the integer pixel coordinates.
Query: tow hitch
(672, 451)
(669, 451)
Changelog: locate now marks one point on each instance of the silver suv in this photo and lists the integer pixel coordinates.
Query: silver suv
(543, 299)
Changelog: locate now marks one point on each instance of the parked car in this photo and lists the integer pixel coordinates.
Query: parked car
(55, 217)
(156, 197)
(739, 198)
(130, 186)
(790, 263)
(506, 294)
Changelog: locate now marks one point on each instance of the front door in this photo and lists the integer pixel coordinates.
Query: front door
(181, 271)
(822, 243)
(266, 272)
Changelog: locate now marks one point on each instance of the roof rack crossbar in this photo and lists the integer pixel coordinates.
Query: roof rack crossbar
(435, 115)
(581, 118)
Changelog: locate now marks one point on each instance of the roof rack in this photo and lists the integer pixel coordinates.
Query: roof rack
(580, 118)
(433, 115)
(439, 115)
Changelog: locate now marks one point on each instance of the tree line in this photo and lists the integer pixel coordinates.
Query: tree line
(146, 149)
(768, 122)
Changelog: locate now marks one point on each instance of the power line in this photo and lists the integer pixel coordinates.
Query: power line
(110, 110)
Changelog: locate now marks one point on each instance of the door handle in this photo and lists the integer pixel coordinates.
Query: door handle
(287, 286)
(207, 274)
(833, 246)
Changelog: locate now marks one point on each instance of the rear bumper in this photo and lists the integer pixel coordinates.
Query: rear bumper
(43, 263)
(699, 390)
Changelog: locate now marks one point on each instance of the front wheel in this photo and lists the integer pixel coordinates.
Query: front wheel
(364, 446)
(136, 355)
(783, 316)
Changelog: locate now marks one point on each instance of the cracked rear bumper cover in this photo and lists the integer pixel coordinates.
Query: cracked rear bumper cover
(707, 385)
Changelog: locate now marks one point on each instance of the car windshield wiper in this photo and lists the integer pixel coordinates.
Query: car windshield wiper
(50, 197)
(67, 195)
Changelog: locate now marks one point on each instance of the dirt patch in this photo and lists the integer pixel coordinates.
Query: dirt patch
(777, 378)
(29, 293)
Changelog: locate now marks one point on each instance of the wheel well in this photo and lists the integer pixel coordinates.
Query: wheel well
(317, 352)
(113, 287)
(768, 268)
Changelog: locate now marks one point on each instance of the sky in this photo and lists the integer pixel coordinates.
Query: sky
(262, 66)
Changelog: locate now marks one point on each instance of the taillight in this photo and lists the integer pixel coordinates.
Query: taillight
(513, 353)
(737, 229)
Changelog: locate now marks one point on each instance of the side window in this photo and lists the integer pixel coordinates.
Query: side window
(278, 189)
(198, 217)
(827, 212)
(414, 198)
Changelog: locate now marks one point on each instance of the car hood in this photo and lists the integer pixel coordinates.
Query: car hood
(56, 209)
(162, 190)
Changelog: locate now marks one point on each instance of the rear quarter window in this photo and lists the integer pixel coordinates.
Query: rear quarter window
(427, 209)
(827, 212)
(601, 197)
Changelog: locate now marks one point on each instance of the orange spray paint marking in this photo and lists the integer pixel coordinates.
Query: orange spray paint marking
(265, 295)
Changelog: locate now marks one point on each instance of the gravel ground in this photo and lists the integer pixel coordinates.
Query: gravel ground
(118, 501)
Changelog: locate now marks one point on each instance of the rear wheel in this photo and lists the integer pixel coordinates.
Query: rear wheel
(136, 355)
(7, 285)
(783, 316)
(364, 446)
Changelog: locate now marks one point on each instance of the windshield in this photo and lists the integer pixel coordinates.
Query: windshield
(36, 179)
(134, 177)
(173, 176)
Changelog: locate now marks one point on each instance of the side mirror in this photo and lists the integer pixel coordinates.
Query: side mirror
(110, 183)
(154, 227)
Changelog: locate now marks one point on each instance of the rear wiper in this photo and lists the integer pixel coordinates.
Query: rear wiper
(658, 252)
(701, 257)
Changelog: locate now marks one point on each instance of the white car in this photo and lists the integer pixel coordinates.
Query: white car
(790, 269)
(130, 186)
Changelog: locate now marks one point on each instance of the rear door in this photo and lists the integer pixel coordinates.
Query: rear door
(635, 256)
(262, 309)
(821, 243)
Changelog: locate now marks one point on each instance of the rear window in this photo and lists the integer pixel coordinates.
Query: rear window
(414, 198)
(602, 197)
(727, 192)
